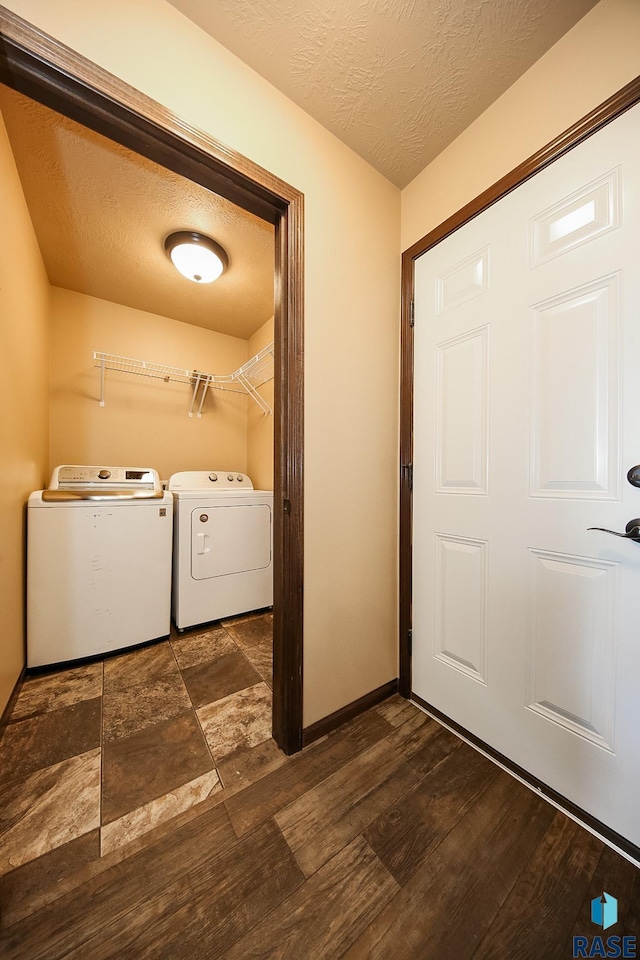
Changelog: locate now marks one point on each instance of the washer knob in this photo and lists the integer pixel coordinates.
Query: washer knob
(240, 477)
(213, 476)
(104, 474)
(230, 477)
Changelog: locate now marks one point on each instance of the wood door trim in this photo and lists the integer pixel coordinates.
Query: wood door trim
(46, 70)
(607, 111)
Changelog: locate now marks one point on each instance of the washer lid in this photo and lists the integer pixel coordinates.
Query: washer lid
(209, 480)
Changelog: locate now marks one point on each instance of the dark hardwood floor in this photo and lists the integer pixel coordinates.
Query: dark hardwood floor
(390, 838)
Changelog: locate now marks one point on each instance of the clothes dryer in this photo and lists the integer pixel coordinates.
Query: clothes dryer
(223, 546)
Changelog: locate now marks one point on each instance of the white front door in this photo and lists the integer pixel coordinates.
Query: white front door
(526, 626)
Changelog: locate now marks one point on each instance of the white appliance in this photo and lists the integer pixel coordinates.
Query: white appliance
(223, 546)
(98, 563)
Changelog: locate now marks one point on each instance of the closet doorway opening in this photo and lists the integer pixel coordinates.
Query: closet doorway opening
(45, 71)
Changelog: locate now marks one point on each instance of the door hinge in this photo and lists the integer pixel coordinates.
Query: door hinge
(412, 313)
(407, 469)
(410, 642)
(286, 507)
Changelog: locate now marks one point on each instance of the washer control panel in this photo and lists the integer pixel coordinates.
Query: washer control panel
(209, 480)
(69, 476)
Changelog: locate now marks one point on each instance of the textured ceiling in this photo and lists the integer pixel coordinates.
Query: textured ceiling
(101, 213)
(396, 80)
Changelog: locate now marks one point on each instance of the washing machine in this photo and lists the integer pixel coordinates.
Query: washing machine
(99, 553)
(223, 546)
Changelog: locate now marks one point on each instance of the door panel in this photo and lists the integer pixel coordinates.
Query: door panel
(576, 219)
(461, 604)
(526, 400)
(463, 281)
(461, 413)
(575, 353)
(573, 614)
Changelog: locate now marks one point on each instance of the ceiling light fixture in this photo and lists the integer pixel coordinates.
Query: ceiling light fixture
(197, 257)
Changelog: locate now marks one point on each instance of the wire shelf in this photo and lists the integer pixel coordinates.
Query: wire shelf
(246, 379)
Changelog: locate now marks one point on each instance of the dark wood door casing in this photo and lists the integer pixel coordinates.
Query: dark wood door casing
(46, 70)
(623, 100)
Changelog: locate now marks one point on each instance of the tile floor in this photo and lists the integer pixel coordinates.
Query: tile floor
(97, 755)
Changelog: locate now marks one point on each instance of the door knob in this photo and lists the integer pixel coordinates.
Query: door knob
(632, 531)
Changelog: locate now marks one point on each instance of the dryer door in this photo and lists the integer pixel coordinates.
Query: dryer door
(230, 538)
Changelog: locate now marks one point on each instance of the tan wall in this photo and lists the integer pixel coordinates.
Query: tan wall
(352, 280)
(24, 296)
(260, 425)
(590, 63)
(144, 422)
